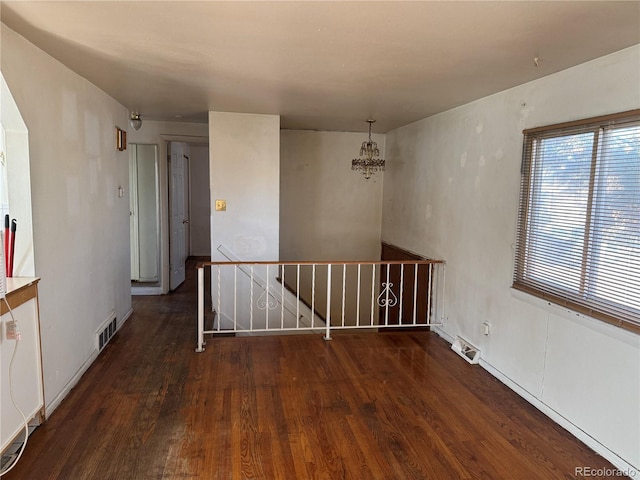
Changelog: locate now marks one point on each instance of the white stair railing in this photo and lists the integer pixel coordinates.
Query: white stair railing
(284, 297)
(268, 297)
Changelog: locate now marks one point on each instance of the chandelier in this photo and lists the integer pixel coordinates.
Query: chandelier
(368, 163)
(135, 121)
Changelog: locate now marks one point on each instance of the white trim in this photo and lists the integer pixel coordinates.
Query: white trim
(580, 434)
(146, 290)
(55, 403)
(576, 431)
(125, 317)
(441, 333)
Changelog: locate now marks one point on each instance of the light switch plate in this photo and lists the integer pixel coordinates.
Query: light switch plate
(221, 205)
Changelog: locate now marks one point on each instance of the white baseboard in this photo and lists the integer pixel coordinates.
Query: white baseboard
(443, 334)
(565, 423)
(55, 403)
(146, 291)
(576, 431)
(124, 318)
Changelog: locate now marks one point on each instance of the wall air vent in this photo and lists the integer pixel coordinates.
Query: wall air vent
(467, 351)
(106, 332)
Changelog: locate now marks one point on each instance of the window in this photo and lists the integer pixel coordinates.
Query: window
(578, 241)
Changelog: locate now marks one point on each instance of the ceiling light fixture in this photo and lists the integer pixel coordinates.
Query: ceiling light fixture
(368, 163)
(135, 121)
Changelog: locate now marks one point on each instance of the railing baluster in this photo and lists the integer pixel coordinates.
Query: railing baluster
(219, 312)
(415, 291)
(373, 290)
(429, 294)
(400, 299)
(344, 288)
(386, 299)
(327, 335)
(200, 339)
(266, 305)
(282, 298)
(313, 295)
(442, 269)
(358, 299)
(251, 300)
(298, 296)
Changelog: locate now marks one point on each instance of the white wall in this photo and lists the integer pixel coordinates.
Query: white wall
(199, 201)
(159, 133)
(80, 224)
(327, 211)
(244, 152)
(451, 192)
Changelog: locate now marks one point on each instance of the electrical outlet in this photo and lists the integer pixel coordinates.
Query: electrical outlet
(13, 332)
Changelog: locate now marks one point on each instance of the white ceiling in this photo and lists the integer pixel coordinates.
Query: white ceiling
(320, 65)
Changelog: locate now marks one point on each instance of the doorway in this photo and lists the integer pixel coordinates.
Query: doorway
(144, 218)
(180, 177)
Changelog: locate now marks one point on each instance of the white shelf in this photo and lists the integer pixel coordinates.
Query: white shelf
(27, 369)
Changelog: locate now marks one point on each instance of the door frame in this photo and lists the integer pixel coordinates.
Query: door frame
(163, 153)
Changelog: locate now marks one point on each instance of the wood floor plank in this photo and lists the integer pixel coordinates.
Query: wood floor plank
(363, 406)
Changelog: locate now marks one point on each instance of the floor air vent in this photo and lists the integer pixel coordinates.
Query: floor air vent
(467, 351)
(107, 331)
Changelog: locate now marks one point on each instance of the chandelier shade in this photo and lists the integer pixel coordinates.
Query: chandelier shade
(368, 163)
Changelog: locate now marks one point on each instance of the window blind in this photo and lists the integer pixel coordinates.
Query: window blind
(578, 239)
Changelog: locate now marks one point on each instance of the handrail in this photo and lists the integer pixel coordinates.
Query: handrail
(258, 280)
(326, 262)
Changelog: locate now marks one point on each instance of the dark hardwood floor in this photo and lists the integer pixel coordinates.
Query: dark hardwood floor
(397, 405)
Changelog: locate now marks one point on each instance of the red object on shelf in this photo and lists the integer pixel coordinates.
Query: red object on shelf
(6, 244)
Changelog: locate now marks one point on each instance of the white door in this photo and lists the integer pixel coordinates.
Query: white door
(179, 215)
